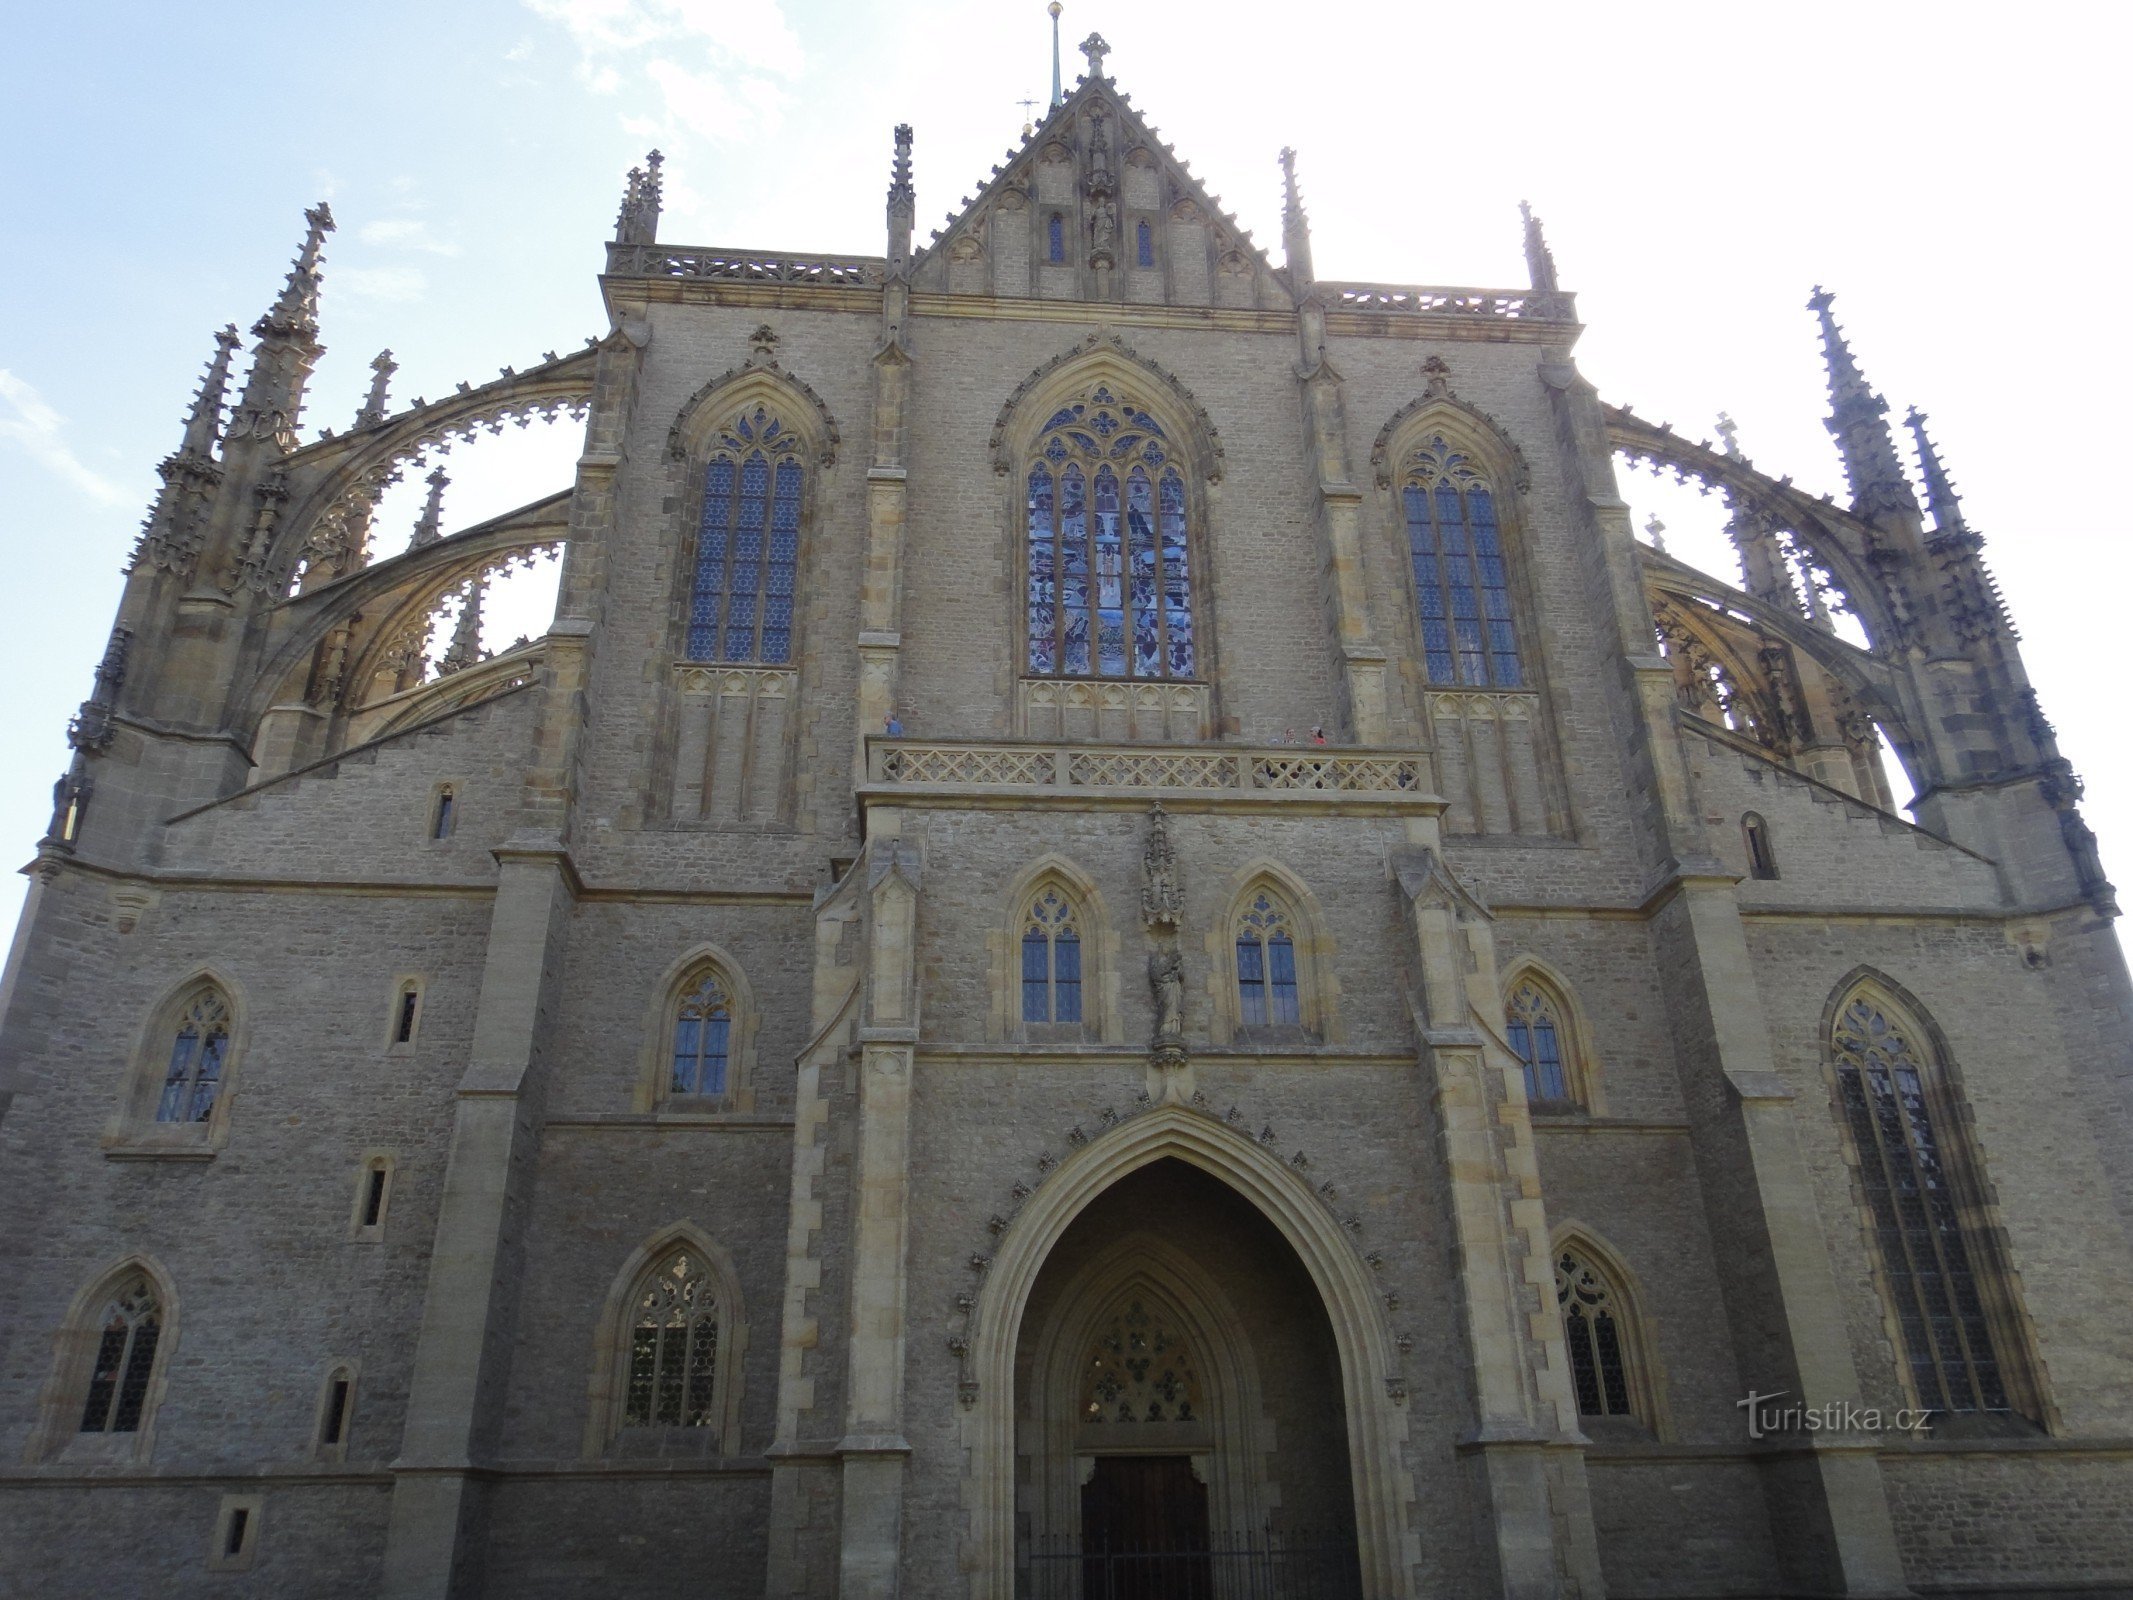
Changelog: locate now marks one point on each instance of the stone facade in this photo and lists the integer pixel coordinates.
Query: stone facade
(351, 1291)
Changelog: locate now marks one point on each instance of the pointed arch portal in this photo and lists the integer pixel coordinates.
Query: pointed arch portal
(1175, 1266)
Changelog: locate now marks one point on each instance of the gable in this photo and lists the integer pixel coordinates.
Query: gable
(1067, 218)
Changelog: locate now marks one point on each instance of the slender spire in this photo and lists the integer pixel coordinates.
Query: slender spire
(465, 649)
(903, 199)
(288, 345)
(374, 408)
(203, 424)
(1295, 226)
(429, 526)
(1058, 97)
(638, 220)
(1941, 498)
(1540, 263)
(1858, 421)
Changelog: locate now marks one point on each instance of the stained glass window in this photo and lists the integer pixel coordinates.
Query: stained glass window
(1055, 238)
(1460, 585)
(1536, 1035)
(703, 1027)
(1141, 1370)
(1143, 244)
(1266, 965)
(673, 1360)
(1051, 960)
(1109, 583)
(1599, 1368)
(1926, 1253)
(747, 544)
(200, 1045)
(125, 1361)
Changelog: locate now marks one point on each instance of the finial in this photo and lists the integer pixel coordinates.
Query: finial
(1540, 263)
(296, 309)
(1295, 226)
(1095, 49)
(373, 410)
(903, 201)
(429, 527)
(1657, 529)
(1055, 8)
(203, 424)
(1729, 437)
(762, 344)
(900, 166)
(638, 221)
(1941, 498)
(1858, 421)
(465, 649)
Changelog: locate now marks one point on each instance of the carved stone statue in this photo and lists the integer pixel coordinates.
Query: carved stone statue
(1103, 230)
(1166, 982)
(1161, 897)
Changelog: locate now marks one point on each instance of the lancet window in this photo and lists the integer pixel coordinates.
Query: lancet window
(1051, 960)
(1109, 579)
(124, 1362)
(1461, 587)
(1593, 1327)
(674, 1347)
(199, 1049)
(1933, 1266)
(1143, 245)
(1266, 964)
(1055, 237)
(1534, 1025)
(748, 543)
(703, 1034)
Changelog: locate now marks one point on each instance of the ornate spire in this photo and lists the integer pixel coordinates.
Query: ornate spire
(288, 345)
(429, 526)
(1540, 263)
(1095, 49)
(1858, 422)
(374, 408)
(1055, 8)
(1941, 498)
(1729, 437)
(638, 221)
(203, 424)
(465, 649)
(903, 199)
(1295, 226)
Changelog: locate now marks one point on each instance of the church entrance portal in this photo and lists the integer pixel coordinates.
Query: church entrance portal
(1179, 1421)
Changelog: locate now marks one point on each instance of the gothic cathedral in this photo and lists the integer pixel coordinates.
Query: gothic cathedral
(1121, 944)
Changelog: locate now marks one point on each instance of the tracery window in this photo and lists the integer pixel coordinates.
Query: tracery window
(1930, 1262)
(1141, 1370)
(1109, 584)
(1593, 1328)
(673, 1351)
(703, 1034)
(1266, 964)
(124, 1363)
(1143, 244)
(1460, 584)
(200, 1047)
(1051, 960)
(747, 543)
(1535, 1028)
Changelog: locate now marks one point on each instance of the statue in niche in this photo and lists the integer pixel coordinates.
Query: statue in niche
(1103, 230)
(1166, 983)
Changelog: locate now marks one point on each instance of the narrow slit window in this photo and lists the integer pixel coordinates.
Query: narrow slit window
(1143, 244)
(1055, 237)
(233, 1536)
(748, 544)
(442, 817)
(1756, 833)
(333, 1424)
(373, 1207)
(404, 1015)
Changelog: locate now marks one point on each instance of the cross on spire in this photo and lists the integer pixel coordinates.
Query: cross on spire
(1095, 49)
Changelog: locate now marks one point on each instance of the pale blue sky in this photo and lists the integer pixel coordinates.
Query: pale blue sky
(1953, 171)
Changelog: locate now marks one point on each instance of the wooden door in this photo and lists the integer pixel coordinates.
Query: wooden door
(1144, 1530)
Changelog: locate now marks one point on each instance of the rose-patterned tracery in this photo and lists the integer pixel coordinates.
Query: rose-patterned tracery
(1108, 565)
(748, 543)
(1141, 1370)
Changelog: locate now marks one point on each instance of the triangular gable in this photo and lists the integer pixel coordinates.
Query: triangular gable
(1097, 171)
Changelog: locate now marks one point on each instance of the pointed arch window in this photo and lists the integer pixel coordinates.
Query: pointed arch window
(1055, 237)
(748, 543)
(1533, 1022)
(1266, 964)
(1108, 557)
(1143, 245)
(702, 1035)
(199, 1049)
(674, 1354)
(1051, 959)
(123, 1365)
(1461, 588)
(1594, 1329)
(1938, 1272)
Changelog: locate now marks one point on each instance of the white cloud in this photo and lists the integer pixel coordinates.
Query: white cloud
(738, 82)
(405, 233)
(36, 427)
(713, 104)
(522, 51)
(397, 285)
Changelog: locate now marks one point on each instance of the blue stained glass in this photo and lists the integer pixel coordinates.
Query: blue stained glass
(1144, 244)
(688, 1038)
(1055, 237)
(780, 571)
(747, 559)
(1110, 578)
(1036, 998)
(1043, 580)
(1141, 565)
(1177, 582)
(1062, 417)
(1429, 587)
(1462, 591)
(1066, 977)
(1074, 572)
(704, 602)
(1281, 976)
